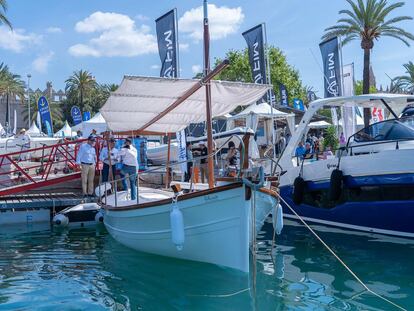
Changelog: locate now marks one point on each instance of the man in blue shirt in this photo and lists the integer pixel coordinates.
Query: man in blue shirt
(86, 158)
(300, 152)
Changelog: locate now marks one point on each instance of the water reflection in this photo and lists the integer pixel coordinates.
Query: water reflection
(85, 269)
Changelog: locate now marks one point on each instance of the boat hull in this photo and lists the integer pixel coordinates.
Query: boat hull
(391, 217)
(216, 226)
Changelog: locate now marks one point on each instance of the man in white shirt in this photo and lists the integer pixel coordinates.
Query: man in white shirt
(25, 145)
(128, 156)
(86, 158)
(109, 162)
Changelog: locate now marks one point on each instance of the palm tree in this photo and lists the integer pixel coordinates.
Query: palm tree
(406, 82)
(368, 20)
(10, 85)
(3, 18)
(80, 85)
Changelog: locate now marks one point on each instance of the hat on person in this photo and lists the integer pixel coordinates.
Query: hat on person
(91, 138)
(23, 130)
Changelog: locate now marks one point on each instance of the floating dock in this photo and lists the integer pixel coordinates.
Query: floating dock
(37, 207)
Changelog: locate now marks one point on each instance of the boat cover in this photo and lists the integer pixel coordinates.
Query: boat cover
(139, 99)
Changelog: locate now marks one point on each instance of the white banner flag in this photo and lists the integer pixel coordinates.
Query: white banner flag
(348, 112)
(182, 150)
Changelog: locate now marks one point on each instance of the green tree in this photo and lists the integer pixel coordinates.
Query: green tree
(331, 139)
(80, 86)
(369, 20)
(3, 10)
(406, 82)
(280, 71)
(10, 84)
(359, 88)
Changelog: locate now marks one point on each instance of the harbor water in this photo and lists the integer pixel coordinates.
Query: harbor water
(85, 269)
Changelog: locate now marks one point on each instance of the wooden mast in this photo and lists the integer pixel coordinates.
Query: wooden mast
(210, 160)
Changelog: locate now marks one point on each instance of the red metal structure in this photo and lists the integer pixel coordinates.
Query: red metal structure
(56, 165)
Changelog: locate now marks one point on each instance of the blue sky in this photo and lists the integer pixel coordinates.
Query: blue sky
(112, 38)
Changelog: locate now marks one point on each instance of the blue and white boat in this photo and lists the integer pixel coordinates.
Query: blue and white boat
(370, 185)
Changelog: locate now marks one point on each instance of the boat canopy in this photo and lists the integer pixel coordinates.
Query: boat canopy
(396, 101)
(139, 100)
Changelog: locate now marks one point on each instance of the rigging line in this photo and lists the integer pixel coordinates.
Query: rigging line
(339, 259)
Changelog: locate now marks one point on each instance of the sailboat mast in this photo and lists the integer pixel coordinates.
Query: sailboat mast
(210, 160)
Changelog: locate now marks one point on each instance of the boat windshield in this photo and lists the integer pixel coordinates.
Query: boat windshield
(387, 130)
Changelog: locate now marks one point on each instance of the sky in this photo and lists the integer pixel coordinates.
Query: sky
(51, 39)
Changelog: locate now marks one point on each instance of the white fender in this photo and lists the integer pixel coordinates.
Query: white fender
(277, 217)
(60, 220)
(99, 217)
(177, 227)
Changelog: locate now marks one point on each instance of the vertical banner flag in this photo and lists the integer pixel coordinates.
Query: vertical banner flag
(298, 104)
(331, 67)
(76, 115)
(45, 116)
(348, 111)
(284, 96)
(255, 45)
(167, 44)
(311, 96)
(86, 116)
(182, 150)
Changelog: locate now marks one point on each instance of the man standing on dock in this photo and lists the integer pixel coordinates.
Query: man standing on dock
(86, 158)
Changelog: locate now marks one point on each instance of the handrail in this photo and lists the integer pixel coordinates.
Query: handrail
(115, 181)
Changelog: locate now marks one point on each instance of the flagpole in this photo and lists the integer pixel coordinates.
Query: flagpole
(210, 163)
(269, 81)
(177, 74)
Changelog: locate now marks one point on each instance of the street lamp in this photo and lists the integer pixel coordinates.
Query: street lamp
(28, 96)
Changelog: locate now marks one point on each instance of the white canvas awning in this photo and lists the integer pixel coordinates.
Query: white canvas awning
(140, 99)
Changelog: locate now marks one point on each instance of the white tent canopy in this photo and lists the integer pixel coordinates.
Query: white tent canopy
(140, 99)
(34, 130)
(319, 124)
(263, 110)
(97, 123)
(65, 131)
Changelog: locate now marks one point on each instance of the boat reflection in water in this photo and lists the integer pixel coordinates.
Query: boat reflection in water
(87, 269)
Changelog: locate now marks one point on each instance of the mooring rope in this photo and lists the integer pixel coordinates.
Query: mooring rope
(339, 259)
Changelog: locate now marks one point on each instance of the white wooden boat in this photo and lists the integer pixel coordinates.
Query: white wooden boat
(212, 225)
(216, 226)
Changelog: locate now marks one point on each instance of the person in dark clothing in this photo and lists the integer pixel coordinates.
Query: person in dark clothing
(187, 175)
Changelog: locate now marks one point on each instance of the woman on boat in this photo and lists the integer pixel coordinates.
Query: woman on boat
(231, 157)
(109, 161)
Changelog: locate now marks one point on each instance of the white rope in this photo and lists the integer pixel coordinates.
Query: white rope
(339, 259)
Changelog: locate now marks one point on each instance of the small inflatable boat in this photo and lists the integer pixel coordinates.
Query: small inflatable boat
(81, 215)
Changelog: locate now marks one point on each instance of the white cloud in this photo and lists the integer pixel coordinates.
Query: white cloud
(118, 36)
(154, 67)
(223, 22)
(41, 63)
(183, 47)
(196, 69)
(54, 30)
(142, 18)
(17, 40)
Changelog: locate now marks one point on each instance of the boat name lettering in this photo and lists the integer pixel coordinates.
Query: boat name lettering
(211, 197)
(329, 166)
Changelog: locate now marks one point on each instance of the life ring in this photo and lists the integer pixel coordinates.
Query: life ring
(336, 185)
(298, 190)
